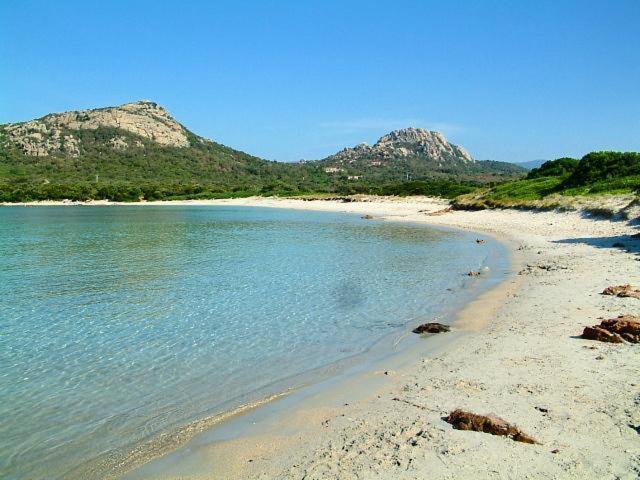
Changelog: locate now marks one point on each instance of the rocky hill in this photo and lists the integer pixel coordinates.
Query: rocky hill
(55, 133)
(135, 150)
(414, 153)
(405, 143)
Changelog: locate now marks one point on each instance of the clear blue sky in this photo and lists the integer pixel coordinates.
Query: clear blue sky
(285, 80)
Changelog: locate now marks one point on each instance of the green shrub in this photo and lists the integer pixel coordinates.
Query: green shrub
(433, 188)
(555, 168)
(598, 166)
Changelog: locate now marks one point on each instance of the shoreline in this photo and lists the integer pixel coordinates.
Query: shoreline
(464, 318)
(401, 344)
(525, 365)
(257, 201)
(360, 380)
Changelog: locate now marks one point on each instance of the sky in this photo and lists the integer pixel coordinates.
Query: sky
(290, 80)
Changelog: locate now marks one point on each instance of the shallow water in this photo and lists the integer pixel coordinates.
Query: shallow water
(119, 323)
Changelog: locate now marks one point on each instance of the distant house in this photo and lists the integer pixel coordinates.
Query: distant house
(354, 177)
(376, 163)
(332, 169)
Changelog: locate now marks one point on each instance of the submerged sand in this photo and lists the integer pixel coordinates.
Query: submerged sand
(521, 359)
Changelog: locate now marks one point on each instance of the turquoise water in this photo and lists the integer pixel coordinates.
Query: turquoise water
(120, 323)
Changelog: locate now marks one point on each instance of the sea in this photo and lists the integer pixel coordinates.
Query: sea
(122, 327)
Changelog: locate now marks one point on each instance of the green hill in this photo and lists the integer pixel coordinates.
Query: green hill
(138, 150)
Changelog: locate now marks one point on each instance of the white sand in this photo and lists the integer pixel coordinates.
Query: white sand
(523, 362)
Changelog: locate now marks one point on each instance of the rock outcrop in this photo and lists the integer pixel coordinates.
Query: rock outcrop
(408, 142)
(56, 132)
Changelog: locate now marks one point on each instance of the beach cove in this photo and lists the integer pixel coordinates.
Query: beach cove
(522, 360)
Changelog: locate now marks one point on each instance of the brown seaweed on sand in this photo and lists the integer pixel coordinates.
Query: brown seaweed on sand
(492, 424)
(615, 330)
(622, 291)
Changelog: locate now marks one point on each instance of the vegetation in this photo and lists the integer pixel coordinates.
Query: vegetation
(555, 168)
(205, 169)
(598, 167)
(146, 170)
(433, 188)
(596, 173)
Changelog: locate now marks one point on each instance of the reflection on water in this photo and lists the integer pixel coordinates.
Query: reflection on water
(120, 323)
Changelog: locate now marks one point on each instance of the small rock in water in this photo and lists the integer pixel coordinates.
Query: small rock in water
(432, 327)
(462, 420)
(479, 241)
(473, 273)
(367, 217)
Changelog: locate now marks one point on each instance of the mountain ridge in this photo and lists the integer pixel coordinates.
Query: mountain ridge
(141, 145)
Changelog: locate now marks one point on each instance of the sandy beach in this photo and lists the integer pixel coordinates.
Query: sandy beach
(519, 357)
(515, 352)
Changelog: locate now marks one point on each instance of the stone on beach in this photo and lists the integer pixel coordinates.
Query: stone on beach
(492, 424)
(615, 330)
(432, 327)
(622, 291)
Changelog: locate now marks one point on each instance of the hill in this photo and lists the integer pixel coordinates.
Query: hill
(124, 153)
(416, 154)
(138, 150)
(559, 183)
